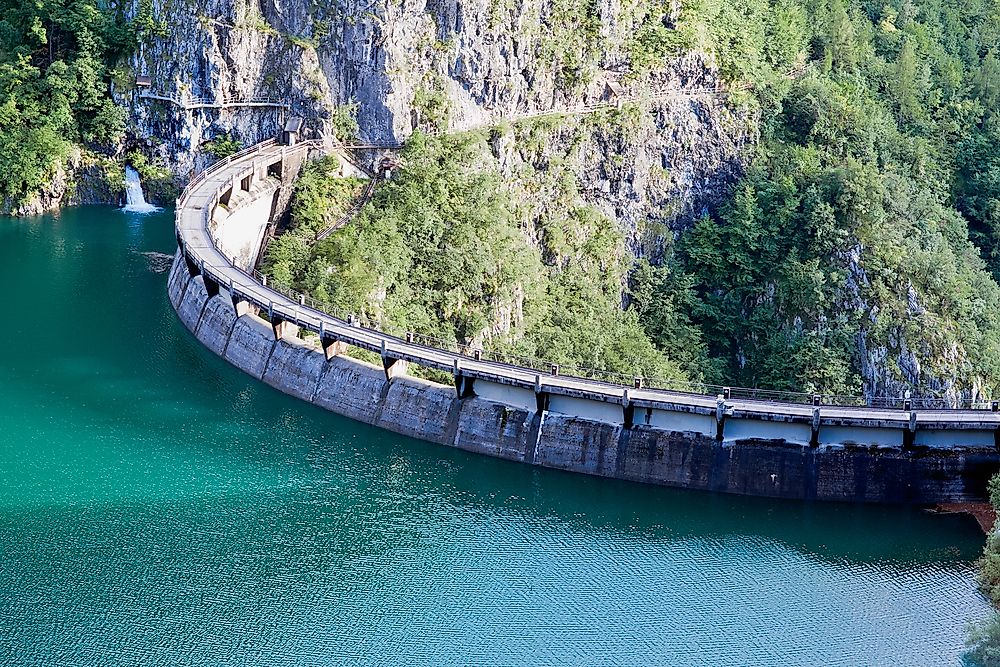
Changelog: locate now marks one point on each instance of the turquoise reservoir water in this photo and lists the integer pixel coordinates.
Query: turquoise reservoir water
(157, 507)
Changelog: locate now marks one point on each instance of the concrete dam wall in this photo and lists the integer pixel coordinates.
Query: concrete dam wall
(650, 436)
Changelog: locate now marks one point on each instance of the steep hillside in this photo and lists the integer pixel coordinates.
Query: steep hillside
(841, 262)
(381, 71)
(796, 194)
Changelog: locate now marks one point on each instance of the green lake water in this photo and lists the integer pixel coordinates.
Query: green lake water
(158, 507)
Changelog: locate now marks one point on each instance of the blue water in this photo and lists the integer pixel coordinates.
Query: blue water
(157, 507)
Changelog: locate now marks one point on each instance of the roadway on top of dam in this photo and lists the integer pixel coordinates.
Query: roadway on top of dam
(195, 208)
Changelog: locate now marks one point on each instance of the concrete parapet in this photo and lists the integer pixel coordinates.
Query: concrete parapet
(866, 436)
(508, 395)
(250, 345)
(610, 413)
(294, 368)
(245, 308)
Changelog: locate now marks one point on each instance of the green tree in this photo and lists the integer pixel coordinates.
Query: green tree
(906, 86)
(55, 57)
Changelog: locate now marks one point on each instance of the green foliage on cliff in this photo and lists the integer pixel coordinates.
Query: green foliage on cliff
(984, 637)
(978, 189)
(852, 227)
(441, 251)
(222, 147)
(321, 197)
(989, 570)
(55, 57)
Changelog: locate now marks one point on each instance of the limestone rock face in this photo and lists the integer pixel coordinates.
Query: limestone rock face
(442, 65)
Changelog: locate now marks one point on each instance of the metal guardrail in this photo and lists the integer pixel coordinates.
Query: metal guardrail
(352, 211)
(216, 166)
(189, 103)
(311, 311)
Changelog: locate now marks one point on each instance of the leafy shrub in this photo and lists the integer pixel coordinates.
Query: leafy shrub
(222, 147)
(55, 57)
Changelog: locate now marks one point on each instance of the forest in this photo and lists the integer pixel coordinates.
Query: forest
(869, 212)
(867, 219)
(57, 61)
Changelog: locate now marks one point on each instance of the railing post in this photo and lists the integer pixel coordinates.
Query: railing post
(720, 416)
(911, 430)
(814, 435)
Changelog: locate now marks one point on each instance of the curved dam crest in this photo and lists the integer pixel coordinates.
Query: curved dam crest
(656, 437)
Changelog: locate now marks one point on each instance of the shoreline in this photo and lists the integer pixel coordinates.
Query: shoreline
(982, 512)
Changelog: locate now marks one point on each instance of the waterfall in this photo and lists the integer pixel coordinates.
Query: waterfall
(133, 193)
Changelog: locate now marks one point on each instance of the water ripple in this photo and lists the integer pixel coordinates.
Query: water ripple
(159, 508)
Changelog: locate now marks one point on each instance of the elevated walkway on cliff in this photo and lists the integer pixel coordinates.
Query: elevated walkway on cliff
(222, 103)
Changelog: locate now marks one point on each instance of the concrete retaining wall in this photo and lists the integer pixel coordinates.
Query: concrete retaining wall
(239, 230)
(661, 446)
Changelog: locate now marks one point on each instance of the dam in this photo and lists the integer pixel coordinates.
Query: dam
(160, 507)
(897, 454)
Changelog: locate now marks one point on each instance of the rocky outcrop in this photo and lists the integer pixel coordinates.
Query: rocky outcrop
(651, 165)
(445, 64)
(83, 178)
(905, 357)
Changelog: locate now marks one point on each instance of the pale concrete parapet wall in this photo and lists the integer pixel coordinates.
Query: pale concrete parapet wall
(238, 229)
(651, 436)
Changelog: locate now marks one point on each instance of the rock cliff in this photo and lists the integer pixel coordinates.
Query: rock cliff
(556, 84)
(448, 65)
(84, 178)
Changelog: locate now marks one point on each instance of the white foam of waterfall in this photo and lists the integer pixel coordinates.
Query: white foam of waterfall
(136, 202)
